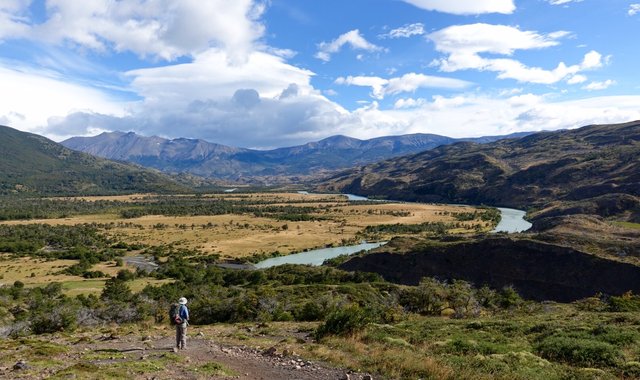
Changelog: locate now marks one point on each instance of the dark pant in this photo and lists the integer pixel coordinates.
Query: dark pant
(181, 335)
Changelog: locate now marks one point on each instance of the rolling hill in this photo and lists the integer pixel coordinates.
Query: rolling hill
(34, 164)
(592, 170)
(207, 159)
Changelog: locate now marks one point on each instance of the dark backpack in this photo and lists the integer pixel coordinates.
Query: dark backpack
(174, 314)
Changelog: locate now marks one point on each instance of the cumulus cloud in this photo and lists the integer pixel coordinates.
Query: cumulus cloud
(377, 84)
(211, 76)
(352, 38)
(594, 86)
(465, 7)
(633, 9)
(406, 31)
(409, 82)
(465, 44)
(166, 29)
(275, 122)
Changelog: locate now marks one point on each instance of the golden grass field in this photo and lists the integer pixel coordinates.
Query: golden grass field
(233, 236)
(236, 236)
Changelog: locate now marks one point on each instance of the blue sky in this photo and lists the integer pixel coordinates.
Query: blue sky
(266, 74)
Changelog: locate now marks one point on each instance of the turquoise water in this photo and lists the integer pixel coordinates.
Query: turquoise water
(512, 221)
(317, 256)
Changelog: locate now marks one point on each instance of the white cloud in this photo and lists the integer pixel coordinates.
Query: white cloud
(634, 9)
(406, 31)
(13, 18)
(466, 7)
(595, 86)
(271, 122)
(377, 84)
(409, 82)
(352, 38)
(166, 29)
(29, 99)
(409, 103)
(211, 76)
(562, 2)
(464, 44)
(576, 79)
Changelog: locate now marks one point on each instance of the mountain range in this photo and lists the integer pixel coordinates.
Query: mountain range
(31, 163)
(212, 160)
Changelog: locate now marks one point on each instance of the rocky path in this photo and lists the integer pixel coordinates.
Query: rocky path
(155, 358)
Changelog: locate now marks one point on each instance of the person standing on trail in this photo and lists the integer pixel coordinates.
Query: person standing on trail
(181, 327)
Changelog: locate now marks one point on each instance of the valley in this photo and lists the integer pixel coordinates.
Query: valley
(557, 301)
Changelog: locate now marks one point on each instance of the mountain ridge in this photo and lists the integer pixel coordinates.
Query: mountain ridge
(577, 165)
(199, 157)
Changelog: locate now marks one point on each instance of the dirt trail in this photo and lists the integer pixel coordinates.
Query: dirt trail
(248, 363)
(203, 359)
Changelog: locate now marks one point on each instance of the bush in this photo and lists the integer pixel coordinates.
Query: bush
(116, 290)
(578, 351)
(343, 322)
(58, 318)
(624, 303)
(509, 297)
(125, 275)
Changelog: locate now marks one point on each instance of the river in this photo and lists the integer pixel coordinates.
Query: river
(511, 221)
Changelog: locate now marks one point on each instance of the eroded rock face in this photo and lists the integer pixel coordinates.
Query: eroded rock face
(539, 271)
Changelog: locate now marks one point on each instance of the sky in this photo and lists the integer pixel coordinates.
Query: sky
(271, 73)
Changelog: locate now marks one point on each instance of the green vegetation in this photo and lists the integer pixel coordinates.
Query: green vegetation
(435, 330)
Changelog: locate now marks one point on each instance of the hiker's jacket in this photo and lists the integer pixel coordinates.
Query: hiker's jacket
(184, 313)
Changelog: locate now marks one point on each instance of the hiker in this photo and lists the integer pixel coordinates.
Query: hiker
(181, 328)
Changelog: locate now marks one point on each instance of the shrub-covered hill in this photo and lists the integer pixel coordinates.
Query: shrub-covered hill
(34, 164)
(579, 166)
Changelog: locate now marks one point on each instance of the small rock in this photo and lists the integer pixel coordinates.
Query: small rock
(271, 351)
(201, 334)
(367, 377)
(146, 338)
(346, 376)
(298, 367)
(175, 349)
(21, 365)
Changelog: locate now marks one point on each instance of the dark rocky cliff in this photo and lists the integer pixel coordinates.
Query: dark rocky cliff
(539, 271)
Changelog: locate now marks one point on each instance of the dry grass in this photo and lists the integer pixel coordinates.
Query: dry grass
(235, 236)
(36, 272)
(33, 271)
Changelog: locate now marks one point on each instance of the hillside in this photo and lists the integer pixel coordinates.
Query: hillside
(207, 159)
(33, 164)
(592, 170)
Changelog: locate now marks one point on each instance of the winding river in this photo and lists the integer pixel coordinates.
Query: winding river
(511, 221)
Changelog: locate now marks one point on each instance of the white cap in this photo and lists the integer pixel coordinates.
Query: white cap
(182, 301)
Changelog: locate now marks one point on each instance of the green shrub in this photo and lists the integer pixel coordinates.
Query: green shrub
(509, 297)
(578, 351)
(60, 318)
(345, 321)
(624, 303)
(125, 275)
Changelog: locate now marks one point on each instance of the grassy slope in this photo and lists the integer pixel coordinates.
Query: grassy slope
(33, 163)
